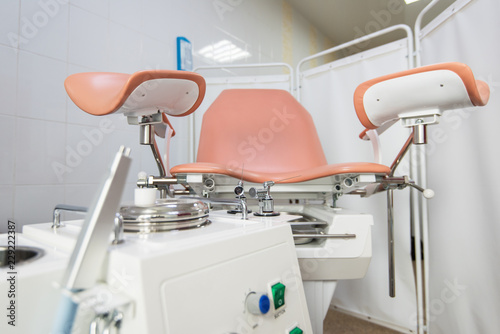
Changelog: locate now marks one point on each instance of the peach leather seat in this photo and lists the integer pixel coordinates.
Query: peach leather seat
(267, 134)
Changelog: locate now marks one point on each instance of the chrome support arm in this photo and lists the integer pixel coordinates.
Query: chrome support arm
(402, 153)
(163, 184)
(147, 137)
(390, 242)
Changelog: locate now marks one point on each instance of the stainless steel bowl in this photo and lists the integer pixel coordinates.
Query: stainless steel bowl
(165, 215)
(19, 255)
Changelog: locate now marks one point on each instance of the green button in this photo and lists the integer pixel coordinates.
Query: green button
(296, 330)
(278, 291)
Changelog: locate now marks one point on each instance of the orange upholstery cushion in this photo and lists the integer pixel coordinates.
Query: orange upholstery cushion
(102, 93)
(269, 135)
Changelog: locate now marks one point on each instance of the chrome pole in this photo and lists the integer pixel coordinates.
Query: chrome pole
(390, 245)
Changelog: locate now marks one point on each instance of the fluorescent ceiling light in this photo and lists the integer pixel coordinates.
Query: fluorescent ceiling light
(410, 1)
(223, 52)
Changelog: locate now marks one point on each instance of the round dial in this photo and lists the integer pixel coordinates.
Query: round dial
(257, 303)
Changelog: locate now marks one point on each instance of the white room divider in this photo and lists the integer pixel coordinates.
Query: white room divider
(326, 91)
(463, 160)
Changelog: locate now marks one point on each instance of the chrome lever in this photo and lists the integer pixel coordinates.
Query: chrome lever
(403, 182)
(427, 193)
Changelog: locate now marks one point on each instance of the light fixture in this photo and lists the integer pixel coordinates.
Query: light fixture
(223, 52)
(410, 1)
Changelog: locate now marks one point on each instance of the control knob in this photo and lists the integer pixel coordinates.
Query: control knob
(257, 303)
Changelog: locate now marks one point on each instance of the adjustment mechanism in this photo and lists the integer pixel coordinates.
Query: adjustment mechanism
(242, 206)
(266, 202)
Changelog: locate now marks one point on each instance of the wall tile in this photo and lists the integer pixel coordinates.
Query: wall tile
(125, 12)
(6, 206)
(80, 195)
(125, 49)
(7, 152)
(88, 39)
(8, 80)
(128, 138)
(158, 55)
(153, 19)
(40, 150)
(128, 194)
(87, 152)
(35, 203)
(99, 7)
(9, 22)
(44, 28)
(40, 87)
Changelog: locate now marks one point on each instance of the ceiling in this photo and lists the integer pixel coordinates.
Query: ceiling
(344, 20)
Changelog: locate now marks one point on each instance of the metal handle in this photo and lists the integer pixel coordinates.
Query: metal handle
(118, 230)
(107, 321)
(325, 236)
(114, 323)
(56, 221)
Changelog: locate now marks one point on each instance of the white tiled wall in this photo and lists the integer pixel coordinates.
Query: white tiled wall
(52, 152)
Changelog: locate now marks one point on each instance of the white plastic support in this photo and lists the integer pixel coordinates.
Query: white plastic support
(166, 155)
(375, 140)
(319, 295)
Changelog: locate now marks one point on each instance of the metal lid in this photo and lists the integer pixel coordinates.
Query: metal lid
(165, 215)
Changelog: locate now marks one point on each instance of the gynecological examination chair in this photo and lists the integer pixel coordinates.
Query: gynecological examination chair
(267, 137)
(264, 142)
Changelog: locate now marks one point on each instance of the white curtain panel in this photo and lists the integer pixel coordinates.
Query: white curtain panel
(327, 93)
(463, 162)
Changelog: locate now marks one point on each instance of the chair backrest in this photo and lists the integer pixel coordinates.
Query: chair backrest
(261, 130)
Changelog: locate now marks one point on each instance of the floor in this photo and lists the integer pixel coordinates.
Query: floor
(340, 323)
